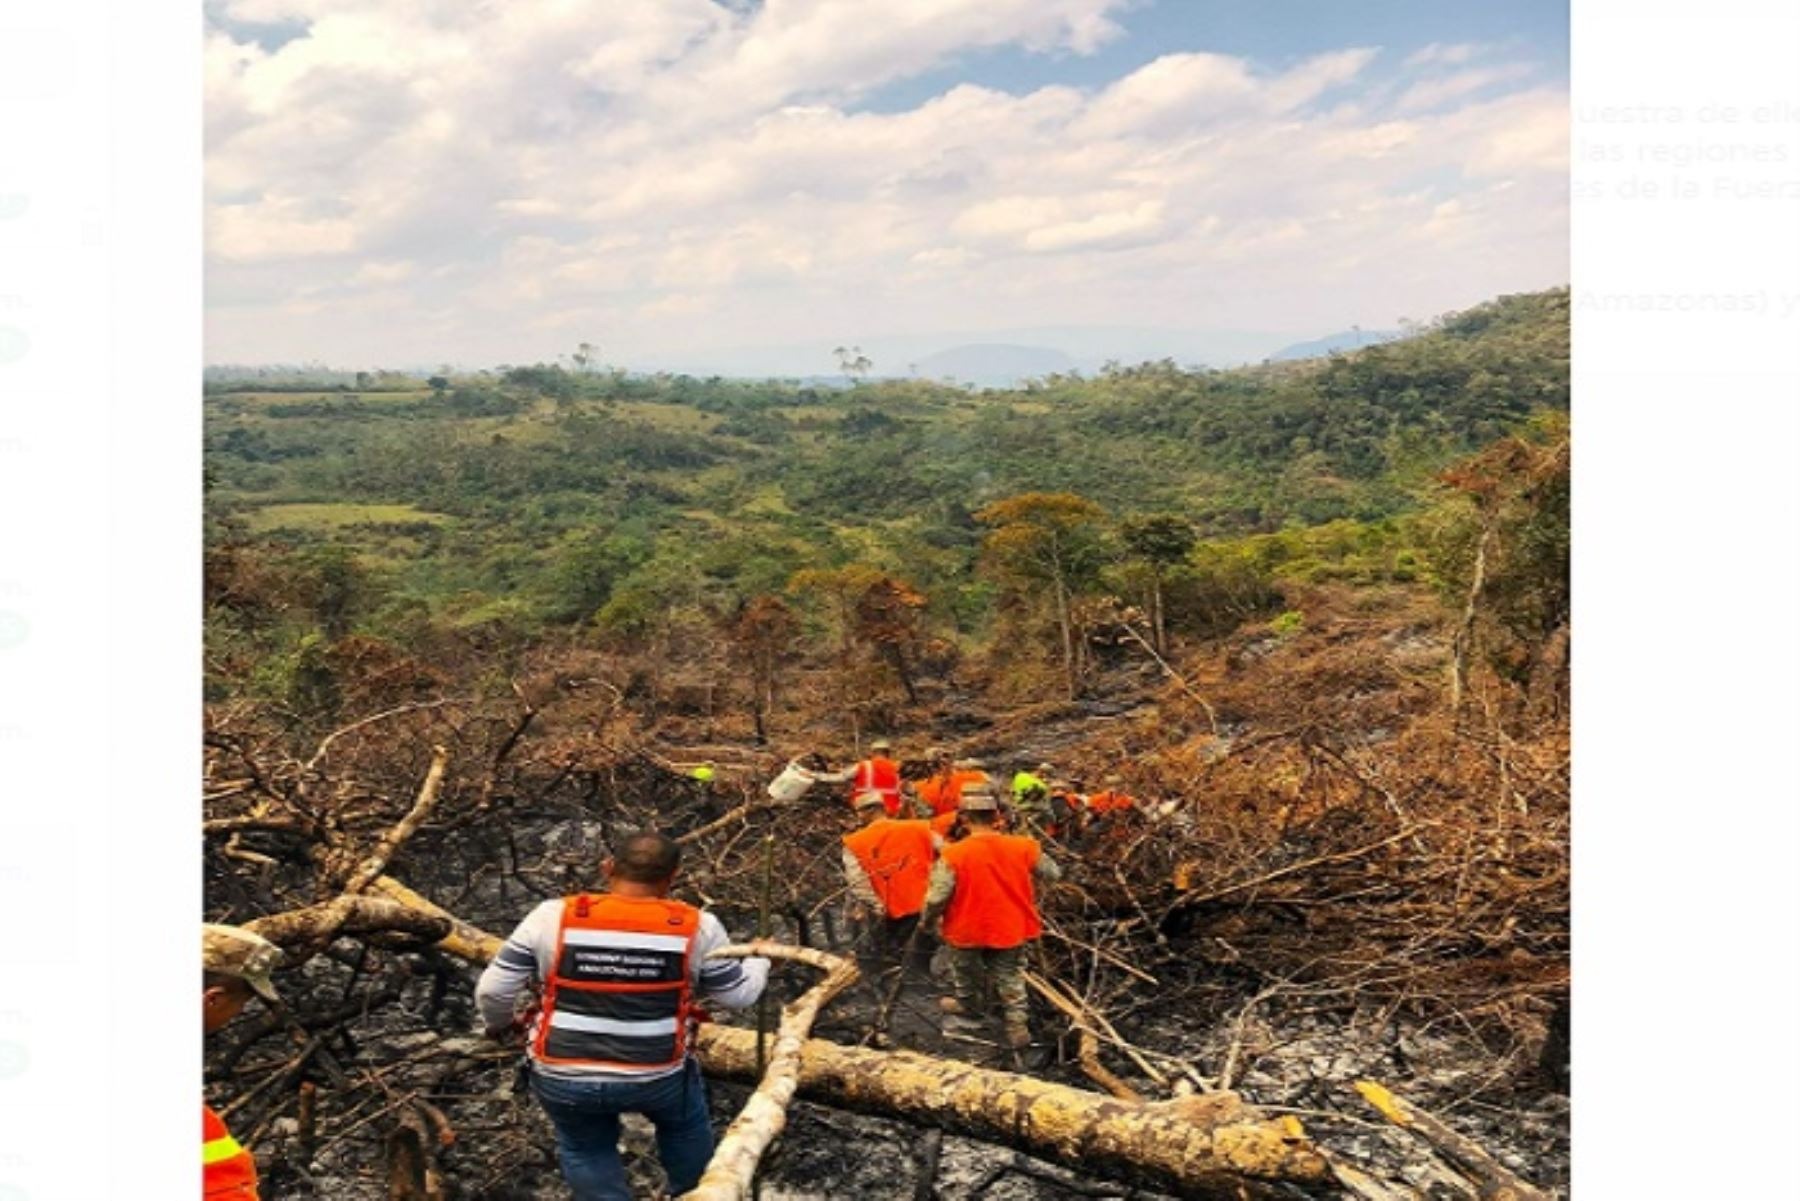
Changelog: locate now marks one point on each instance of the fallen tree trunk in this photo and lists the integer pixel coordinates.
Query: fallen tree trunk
(304, 932)
(728, 1177)
(1493, 1181)
(1201, 1147)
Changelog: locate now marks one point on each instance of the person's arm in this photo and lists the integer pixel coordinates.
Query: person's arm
(861, 888)
(516, 967)
(938, 890)
(724, 983)
(1046, 869)
(836, 777)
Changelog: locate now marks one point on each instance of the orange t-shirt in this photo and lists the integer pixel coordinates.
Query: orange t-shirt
(897, 857)
(944, 792)
(994, 904)
(1110, 801)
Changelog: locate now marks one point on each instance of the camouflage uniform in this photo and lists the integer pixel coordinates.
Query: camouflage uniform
(975, 970)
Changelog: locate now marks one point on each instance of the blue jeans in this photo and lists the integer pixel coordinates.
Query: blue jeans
(586, 1113)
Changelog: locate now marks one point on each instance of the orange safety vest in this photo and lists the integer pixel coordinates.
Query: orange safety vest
(617, 993)
(994, 904)
(944, 792)
(878, 775)
(227, 1171)
(1110, 801)
(897, 856)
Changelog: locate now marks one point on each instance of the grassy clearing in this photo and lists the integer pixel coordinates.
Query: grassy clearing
(338, 516)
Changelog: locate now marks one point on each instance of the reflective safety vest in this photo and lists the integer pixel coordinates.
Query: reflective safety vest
(994, 904)
(896, 856)
(227, 1171)
(878, 775)
(617, 994)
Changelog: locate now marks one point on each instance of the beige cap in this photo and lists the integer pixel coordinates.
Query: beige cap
(235, 951)
(1044, 769)
(978, 800)
(868, 800)
(1114, 780)
(969, 763)
(881, 744)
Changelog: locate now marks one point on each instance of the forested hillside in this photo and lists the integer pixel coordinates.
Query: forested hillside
(531, 500)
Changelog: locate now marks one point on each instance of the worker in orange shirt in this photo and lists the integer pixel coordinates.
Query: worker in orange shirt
(887, 864)
(879, 773)
(1111, 800)
(235, 965)
(984, 889)
(938, 791)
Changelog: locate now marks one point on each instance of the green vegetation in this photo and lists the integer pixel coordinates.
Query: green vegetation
(530, 499)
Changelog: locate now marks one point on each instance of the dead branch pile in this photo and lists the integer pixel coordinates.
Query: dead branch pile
(1340, 850)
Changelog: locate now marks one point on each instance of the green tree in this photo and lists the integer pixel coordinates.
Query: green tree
(835, 592)
(1052, 541)
(1159, 542)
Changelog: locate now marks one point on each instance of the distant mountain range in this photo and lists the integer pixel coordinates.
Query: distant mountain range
(1353, 339)
(992, 363)
(1009, 358)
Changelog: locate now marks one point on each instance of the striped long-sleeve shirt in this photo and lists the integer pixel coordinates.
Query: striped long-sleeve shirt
(528, 954)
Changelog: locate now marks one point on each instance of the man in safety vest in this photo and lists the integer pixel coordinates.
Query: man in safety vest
(620, 974)
(1031, 798)
(235, 966)
(985, 889)
(880, 774)
(944, 788)
(887, 864)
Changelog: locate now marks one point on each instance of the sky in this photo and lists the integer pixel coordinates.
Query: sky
(740, 186)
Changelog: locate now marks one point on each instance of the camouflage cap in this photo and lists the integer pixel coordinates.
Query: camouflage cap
(235, 951)
(869, 800)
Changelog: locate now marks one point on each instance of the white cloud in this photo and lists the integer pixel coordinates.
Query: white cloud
(500, 174)
(1431, 93)
(1445, 53)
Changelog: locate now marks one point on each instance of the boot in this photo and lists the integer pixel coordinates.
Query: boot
(951, 1005)
(958, 1026)
(1018, 1035)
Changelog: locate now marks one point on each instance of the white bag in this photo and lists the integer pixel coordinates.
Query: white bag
(791, 784)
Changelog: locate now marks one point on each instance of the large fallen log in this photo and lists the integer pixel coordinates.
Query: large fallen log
(1207, 1147)
(304, 932)
(1210, 1146)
